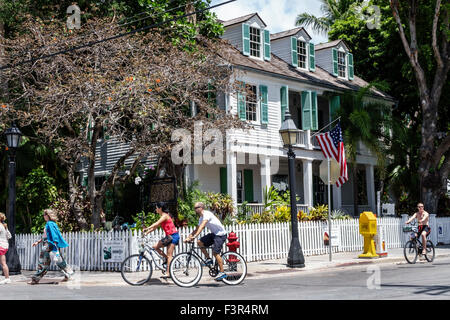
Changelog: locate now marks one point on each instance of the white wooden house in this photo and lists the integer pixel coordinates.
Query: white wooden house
(284, 70)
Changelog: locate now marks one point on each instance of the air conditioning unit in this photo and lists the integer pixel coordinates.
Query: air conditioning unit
(388, 209)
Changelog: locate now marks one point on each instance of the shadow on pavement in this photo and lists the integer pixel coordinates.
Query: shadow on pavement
(422, 289)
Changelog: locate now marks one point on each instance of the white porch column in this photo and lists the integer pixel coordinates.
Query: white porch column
(337, 197)
(266, 180)
(231, 179)
(308, 182)
(370, 181)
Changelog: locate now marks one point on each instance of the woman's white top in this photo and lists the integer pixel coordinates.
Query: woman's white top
(5, 235)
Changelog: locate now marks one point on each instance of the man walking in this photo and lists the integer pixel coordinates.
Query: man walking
(216, 238)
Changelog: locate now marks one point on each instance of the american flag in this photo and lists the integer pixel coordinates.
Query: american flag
(332, 146)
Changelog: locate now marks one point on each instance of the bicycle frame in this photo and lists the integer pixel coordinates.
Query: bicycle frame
(150, 251)
(193, 252)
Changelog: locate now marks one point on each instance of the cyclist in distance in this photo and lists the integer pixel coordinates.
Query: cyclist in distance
(172, 237)
(423, 227)
(216, 238)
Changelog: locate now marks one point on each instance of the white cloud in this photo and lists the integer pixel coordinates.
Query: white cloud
(279, 15)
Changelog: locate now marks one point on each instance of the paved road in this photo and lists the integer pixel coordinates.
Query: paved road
(396, 281)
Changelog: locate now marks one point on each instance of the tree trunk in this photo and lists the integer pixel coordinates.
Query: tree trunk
(75, 199)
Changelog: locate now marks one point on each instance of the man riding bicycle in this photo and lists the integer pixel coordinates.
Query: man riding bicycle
(423, 229)
(217, 237)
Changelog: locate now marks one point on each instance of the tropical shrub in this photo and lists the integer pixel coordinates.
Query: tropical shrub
(340, 215)
(221, 204)
(143, 219)
(282, 214)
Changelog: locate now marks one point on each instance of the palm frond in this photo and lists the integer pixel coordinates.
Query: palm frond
(318, 24)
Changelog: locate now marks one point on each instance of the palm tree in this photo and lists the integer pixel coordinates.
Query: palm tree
(365, 123)
(332, 10)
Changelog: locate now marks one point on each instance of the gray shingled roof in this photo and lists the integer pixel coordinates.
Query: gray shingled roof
(329, 44)
(279, 68)
(287, 33)
(241, 19)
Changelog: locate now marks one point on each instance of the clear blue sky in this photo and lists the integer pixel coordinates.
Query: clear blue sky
(279, 15)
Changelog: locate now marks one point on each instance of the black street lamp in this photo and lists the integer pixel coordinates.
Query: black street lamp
(13, 137)
(288, 132)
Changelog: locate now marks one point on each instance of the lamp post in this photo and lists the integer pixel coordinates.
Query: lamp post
(13, 137)
(288, 132)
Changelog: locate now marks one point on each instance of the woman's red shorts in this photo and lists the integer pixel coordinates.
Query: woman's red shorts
(3, 251)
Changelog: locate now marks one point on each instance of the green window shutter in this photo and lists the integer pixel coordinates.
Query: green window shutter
(266, 45)
(241, 102)
(350, 66)
(89, 133)
(284, 101)
(84, 183)
(312, 57)
(211, 95)
(264, 104)
(248, 185)
(335, 103)
(245, 39)
(294, 51)
(314, 113)
(306, 110)
(223, 180)
(105, 130)
(335, 62)
(211, 98)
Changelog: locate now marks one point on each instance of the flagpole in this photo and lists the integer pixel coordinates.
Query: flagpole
(317, 132)
(329, 209)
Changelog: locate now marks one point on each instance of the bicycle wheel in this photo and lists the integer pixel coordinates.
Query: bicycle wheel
(430, 251)
(185, 270)
(235, 267)
(410, 251)
(136, 270)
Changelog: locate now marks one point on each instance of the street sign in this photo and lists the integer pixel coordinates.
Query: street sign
(335, 234)
(113, 251)
(334, 171)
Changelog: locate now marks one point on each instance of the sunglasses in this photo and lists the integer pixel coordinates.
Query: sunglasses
(197, 208)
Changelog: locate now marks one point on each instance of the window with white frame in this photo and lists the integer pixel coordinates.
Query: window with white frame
(251, 103)
(302, 54)
(255, 42)
(342, 65)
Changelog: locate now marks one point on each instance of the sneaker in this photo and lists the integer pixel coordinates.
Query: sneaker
(5, 281)
(208, 262)
(220, 276)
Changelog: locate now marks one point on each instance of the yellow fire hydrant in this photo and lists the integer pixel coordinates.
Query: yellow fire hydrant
(368, 229)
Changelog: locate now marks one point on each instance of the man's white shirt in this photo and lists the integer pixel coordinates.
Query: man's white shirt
(214, 225)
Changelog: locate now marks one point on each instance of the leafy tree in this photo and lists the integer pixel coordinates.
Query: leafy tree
(331, 9)
(380, 56)
(431, 75)
(135, 89)
(364, 122)
(36, 193)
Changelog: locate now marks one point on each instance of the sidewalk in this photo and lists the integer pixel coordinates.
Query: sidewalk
(256, 270)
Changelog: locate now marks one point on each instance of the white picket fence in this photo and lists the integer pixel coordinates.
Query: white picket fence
(257, 242)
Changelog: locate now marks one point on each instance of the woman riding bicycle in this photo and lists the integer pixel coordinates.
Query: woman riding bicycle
(172, 237)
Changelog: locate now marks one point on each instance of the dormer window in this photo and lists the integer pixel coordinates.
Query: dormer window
(255, 42)
(302, 54)
(342, 66)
